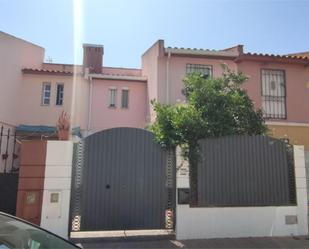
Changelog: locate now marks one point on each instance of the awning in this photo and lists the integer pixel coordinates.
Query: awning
(36, 129)
(43, 129)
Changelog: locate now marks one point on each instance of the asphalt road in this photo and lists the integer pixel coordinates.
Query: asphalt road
(269, 242)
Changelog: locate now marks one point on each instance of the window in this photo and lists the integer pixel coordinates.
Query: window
(125, 98)
(206, 70)
(59, 97)
(112, 94)
(46, 90)
(273, 94)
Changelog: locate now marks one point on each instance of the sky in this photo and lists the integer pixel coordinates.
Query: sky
(127, 28)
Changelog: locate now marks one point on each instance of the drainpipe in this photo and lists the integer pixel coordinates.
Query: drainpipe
(89, 104)
(168, 78)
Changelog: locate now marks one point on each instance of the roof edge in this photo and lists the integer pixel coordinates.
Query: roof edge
(201, 52)
(92, 45)
(272, 57)
(23, 40)
(118, 77)
(45, 71)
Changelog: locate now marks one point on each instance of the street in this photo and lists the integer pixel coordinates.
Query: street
(270, 242)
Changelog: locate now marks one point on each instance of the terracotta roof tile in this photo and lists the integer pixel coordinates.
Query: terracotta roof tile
(200, 49)
(279, 56)
(291, 59)
(300, 56)
(46, 71)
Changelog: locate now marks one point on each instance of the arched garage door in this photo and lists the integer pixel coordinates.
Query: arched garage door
(122, 179)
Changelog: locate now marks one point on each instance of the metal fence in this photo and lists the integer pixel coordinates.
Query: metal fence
(9, 165)
(9, 150)
(8, 192)
(246, 171)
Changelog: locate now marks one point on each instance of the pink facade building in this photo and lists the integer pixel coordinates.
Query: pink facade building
(98, 97)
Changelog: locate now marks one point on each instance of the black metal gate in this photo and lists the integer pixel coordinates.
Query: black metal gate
(8, 192)
(122, 180)
(9, 167)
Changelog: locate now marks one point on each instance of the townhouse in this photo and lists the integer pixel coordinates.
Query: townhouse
(97, 97)
(277, 84)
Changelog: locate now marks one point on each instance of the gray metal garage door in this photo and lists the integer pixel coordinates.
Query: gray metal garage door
(122, 179)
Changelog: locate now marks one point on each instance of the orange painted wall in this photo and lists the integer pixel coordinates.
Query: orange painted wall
(296, 134)
(31, 181)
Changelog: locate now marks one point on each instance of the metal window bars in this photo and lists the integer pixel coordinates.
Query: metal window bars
(9, 151)
(273, 94)
(198, 68)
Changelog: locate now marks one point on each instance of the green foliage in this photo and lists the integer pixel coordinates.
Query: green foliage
(215, 107)
(177, 124)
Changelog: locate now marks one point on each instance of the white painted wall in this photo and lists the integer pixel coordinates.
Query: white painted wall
(307, 170)
(55, 215)
(233, 222)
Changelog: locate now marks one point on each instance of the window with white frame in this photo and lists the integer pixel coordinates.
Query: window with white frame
(46, 91)
(273, 93)
(112, 97)
(124, 98)
(59, 95)
(205, 70)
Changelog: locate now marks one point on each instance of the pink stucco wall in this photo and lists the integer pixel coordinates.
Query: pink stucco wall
(178, 72)
(15, 55)
(20, 103)
(253, 85)
(31, 110)
(160, 70)
(150, 68)
(297, 78)
(104, 117)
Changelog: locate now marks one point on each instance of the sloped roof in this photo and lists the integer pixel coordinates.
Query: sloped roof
(236, 53)
(292, 59)
(118, 77)
(302, 54)
(201, 52)
(46, 71)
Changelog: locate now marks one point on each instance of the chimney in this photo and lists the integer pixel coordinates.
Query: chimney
(93, 57)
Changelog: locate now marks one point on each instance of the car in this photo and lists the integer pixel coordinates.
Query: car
(17, 233)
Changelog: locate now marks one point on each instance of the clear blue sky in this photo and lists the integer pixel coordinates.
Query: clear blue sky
(127, 28)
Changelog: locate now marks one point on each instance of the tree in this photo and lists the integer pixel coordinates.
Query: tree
(215, 107)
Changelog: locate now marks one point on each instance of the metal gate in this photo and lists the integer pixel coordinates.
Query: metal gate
(122, 180)
(8, 192)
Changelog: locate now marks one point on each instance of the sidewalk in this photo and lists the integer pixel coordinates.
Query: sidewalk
(269, 242)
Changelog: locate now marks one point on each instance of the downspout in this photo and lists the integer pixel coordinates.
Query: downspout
(90, 104)
(168, 78)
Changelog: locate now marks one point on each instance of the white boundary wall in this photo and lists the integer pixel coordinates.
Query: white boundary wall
(57, 187)
(233, 222)
(307, 171)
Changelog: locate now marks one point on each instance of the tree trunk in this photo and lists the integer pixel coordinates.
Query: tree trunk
(193, 161)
